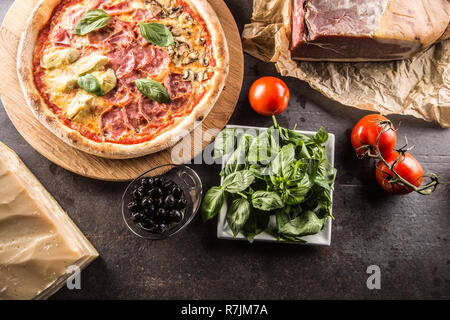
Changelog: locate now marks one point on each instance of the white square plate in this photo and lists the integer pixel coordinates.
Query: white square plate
(323, 238)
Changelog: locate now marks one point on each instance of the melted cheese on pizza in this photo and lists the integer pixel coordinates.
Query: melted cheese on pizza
(117, 55)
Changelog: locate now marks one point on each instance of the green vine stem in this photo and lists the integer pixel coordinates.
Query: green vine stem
(368, 149)
(426, 189)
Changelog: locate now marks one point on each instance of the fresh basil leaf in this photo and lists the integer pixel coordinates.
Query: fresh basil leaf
(260, 172)
(296, 194)
(90, 21)
(90, 84)
(291, 238)
(235, 162)
(283, 216)
(225, 142)
(212, 202)
(303, 153)
(157, 34)
(237, 214)
(323, 199)
(238, 158)
(153, 90)
(297, 138)
(259, 150)
(238, 181)
(326, 175)
(256, 223)
(266, 200)
(274, 140)
(283, 163)
(311, 168)
(320, 137)
(305, 224)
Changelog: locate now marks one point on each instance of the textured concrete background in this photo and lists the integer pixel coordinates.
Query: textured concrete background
(408, 237)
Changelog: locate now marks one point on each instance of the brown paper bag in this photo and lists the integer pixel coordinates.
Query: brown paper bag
(419, 86)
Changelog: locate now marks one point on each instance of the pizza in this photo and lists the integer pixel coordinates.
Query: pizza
(122, 78)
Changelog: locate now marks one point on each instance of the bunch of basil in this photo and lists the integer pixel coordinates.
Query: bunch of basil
(278, 172)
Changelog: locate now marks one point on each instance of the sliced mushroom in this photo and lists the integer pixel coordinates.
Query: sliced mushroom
(177, 32)
(174, 12)
(201, 76)
(176, 59)
(204, 60)
(193, 56)
(180, 39)
(182, 50)
(188, 75)
(205, 75)
(155, 7)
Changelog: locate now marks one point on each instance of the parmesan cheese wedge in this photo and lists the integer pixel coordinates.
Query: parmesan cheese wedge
(39, 243)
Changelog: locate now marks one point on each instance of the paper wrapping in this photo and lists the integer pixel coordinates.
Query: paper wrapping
(419, 86)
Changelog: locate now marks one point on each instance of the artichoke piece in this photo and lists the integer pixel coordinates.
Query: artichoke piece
(89, 63)
(59, 58)
(64, 84)
(80, 106)
(106, 79)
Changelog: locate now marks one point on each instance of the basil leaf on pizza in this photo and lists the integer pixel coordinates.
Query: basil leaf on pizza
(156, 33)
(92, 20)
(153, 90)
(90, 84)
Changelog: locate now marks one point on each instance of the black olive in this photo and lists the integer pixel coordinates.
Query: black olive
(157, 202)
(161, 214)
(156, 192)
(177, 193)
(133, 206)
(137, 217)
(161, 227)
(168, 186)
(150, 210)
(176, 216)
(148, 224)
(142, 189)
(181, 204)
(146, 201)
(145, 183)
(170, 201)
(137, 195)
(157, 182)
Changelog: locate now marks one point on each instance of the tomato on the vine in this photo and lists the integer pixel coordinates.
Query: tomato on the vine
(365, 134)
(269, 96)
(407, 167)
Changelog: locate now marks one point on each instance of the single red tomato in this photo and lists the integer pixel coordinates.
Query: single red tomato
(406, 167)
(366, 131)
(269, 96)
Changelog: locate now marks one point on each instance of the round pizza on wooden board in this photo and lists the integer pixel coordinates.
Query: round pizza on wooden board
(122, 78)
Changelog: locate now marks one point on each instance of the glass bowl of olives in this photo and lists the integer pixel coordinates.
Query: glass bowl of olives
(162, 201)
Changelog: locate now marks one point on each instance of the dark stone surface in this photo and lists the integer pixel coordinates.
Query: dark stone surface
(408, 237)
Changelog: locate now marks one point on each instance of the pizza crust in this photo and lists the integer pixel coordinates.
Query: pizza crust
(25, 66)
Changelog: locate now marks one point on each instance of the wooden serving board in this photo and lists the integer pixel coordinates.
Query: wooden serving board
(85, 164)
